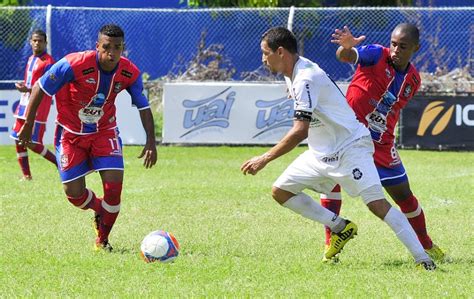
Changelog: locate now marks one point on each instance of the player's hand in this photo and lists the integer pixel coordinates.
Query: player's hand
(24, 136)
(21, 87)
(254, 165)
(149, 154)
(343, 37)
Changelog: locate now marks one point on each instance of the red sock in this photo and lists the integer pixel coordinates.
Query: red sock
(43, 151)
(22, 155)
(416, 217)
(332, 202)
(110, 208)
(86, 201)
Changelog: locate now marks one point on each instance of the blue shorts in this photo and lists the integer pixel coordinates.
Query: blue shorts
(392, 176)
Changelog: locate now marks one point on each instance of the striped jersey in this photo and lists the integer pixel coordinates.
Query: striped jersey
(37, 65)
(87, 101)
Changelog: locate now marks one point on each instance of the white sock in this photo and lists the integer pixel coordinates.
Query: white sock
(304, 205)
(405, 233)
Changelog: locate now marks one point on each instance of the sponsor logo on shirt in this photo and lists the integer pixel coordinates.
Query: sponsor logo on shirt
(88, 71)
(126, 73)
(91, 81)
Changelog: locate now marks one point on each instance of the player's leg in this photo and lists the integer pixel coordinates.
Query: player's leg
(408, 203)
(73, 167)
(287, 191)
(21, 150)
(112, 184)
(106, 151)
(81, 197)
(23, 161)
(358, 176)
(331, 201)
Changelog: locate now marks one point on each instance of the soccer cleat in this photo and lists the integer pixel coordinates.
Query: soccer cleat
(96, 223)
(426, 265)
(339, 240)
(103, 246)
(334, 259)
(436, 253)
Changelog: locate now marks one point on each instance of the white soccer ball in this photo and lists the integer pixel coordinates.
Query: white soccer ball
(159, 246)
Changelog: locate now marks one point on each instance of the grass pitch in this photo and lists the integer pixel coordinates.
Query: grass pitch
(236, 241)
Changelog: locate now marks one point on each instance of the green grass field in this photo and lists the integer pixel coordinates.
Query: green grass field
(235, 240)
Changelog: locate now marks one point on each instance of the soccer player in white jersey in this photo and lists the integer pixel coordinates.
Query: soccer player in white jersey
(340, 150)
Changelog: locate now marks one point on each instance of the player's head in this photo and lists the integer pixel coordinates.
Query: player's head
(38, 41)
(277, 44)
(110, 44)
(404, 42)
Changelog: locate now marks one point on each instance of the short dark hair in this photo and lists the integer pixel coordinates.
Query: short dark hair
(38, 32)
(112, 30)
(411, 30)
(280, 37)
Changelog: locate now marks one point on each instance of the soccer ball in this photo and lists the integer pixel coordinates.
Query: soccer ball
(159, 246)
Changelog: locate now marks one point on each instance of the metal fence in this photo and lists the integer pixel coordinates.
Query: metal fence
(163, 41)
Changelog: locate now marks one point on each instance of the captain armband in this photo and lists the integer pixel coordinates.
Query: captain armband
(302, 115)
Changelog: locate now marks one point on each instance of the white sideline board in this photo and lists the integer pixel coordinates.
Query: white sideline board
(128, 119)
(226, 112)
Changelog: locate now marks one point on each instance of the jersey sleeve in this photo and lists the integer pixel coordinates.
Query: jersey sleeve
(59, 74)
(369, 54)
(306, 94)
(136, 92)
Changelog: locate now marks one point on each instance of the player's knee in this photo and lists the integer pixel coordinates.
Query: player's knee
(112, 192)
(379, 207)
(280, 195)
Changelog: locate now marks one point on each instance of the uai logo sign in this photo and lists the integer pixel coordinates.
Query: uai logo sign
(274, 114)
(213, 111)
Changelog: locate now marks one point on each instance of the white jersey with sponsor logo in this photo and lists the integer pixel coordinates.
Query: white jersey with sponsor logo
(333, 123)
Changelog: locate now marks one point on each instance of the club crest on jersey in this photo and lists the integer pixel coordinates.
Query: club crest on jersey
(91, 81)
(64, 161)
(387, 72)
(356, 173)
(407, 90)
(117, 87)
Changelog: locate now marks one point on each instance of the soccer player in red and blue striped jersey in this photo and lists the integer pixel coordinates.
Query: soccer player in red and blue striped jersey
(37, 65)
(383, 83)
(87, 138)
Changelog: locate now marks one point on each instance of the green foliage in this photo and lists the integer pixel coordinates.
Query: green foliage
(376, 2)
(253, 3)
(298, 3)
(235, 240)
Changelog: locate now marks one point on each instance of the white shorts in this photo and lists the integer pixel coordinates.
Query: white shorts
(353, 168)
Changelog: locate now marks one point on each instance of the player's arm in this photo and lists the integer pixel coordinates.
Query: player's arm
(347, 42)
(149, 152)
(295, 136)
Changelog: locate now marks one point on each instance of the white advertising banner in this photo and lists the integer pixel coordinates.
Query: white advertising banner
(128, 119)
(226, 113)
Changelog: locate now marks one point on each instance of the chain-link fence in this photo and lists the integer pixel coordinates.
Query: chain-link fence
(167, 42)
